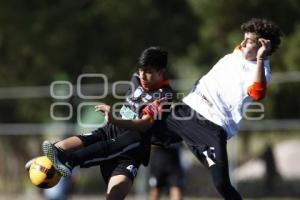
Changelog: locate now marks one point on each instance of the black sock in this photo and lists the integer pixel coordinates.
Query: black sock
(63, 156)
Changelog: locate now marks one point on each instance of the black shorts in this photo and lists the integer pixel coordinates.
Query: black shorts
(127, 160)
(119, 166)
(205, 139)
(165, 168)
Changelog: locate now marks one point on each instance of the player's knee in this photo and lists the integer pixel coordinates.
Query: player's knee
(118, 187)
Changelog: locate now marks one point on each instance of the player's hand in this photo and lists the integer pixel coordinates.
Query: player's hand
(106, 109)
(265, 48)
(154, 108)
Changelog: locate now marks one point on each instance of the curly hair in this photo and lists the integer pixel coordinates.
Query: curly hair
(265, 29)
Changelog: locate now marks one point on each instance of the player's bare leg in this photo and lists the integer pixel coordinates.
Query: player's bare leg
(71, 143)
(118, 187)
(175, 193)
(154, 194)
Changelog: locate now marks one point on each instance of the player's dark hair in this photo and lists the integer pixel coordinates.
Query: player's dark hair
(154, 57)
(265, 29)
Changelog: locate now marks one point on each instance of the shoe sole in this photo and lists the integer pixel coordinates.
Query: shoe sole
(49, 151)
(28, 164)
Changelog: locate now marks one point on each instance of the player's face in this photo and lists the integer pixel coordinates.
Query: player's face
(150, 77)
(249, 46)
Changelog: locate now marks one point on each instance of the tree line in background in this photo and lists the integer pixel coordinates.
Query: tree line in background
(41, 41)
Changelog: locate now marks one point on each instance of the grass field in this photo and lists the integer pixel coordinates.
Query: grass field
(95, 197)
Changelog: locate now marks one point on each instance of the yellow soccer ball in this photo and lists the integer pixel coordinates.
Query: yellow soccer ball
(42, 173)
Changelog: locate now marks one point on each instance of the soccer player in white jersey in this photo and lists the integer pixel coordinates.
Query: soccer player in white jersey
(210, 114)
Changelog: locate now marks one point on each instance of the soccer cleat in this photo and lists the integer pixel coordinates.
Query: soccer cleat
(53, 154)
(28, 164)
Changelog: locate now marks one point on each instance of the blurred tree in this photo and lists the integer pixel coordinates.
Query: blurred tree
(219, 31)
(41, 39)
(291, 57)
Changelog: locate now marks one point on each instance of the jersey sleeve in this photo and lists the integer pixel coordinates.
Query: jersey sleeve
(159, 107)
(257, 90)
(155, 108)
(135, 82)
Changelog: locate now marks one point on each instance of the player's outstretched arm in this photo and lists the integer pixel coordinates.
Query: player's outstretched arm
(140, 125)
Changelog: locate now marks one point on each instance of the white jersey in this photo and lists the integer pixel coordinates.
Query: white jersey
(221, 94)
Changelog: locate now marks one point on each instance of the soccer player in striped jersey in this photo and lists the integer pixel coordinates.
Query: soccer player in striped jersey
(133, 125)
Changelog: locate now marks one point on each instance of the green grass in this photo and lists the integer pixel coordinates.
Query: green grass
(97, 197)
